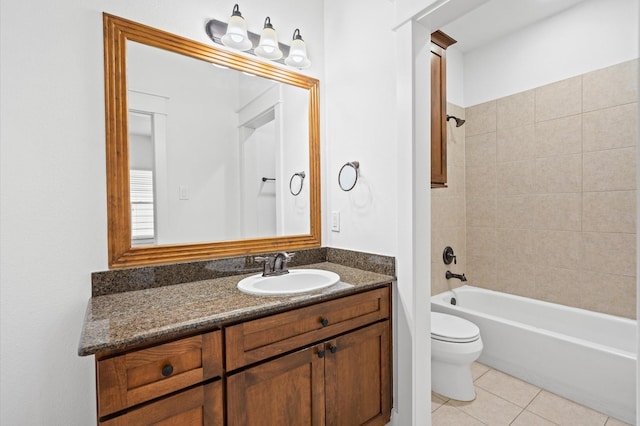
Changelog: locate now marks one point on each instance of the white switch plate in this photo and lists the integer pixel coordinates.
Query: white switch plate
(183, 192)
(335, 221)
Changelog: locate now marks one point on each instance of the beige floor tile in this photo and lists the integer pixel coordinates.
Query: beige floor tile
(436, 401)
(477, 370)
(489, 408)
(447, 415)
(564, 412)
(508, 387)
(615, 422)
(527, 418)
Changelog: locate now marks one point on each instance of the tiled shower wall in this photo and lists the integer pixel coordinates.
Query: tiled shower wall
(551, 192)
(448, 209)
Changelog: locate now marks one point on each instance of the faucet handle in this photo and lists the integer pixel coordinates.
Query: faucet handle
(262, 258)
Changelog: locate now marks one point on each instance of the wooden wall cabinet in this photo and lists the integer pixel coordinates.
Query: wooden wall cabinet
(324, 364)
(439, 43)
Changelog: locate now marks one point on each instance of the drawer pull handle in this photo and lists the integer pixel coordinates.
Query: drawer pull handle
(321, 353)
(333, 349)
(324, 322)
(167, 370)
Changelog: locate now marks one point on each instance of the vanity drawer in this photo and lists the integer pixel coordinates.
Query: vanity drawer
(253, 341)
(126, 380)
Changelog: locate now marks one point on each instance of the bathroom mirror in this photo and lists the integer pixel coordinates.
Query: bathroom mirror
(348, 175)
(199, 156)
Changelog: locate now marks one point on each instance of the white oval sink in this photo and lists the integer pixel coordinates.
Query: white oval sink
(296, 281)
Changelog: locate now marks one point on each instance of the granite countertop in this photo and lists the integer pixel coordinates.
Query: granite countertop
(118, 321)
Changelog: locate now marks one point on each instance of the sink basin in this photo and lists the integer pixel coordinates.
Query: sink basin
(295, 282)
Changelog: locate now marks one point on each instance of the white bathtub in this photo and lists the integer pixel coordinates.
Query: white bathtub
(584, 356)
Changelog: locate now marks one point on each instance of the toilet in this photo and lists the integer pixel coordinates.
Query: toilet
(455, 344)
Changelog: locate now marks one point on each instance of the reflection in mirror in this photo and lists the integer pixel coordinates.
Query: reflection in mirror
(296, 183)
(188, 146)
(348, 175)
(224, 131)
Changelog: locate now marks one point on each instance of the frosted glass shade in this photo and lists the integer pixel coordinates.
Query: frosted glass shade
(298, 54)
(268, 47)
(236, 36)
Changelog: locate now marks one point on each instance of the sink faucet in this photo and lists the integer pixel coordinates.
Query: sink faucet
(450, 275)
(279, 265)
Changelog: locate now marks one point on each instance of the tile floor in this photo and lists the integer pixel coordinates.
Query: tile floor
(504, 400)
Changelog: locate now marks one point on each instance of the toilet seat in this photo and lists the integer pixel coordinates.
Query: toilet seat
(449, 328)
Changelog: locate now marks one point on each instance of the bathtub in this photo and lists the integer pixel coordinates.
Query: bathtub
(584, 356)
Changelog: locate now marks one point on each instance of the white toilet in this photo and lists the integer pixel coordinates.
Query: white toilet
(455, 344)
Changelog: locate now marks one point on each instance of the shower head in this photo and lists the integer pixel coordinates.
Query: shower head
(459, 121)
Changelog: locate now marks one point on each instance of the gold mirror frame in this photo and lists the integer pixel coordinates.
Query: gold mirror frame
(121, 253)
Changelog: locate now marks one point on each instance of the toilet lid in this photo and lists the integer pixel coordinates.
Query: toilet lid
(454, 329)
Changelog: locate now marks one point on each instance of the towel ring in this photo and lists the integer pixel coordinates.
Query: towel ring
(296, 182)
(348, 175)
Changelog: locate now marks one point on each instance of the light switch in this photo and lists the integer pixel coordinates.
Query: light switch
(183, 192)
(335, 221)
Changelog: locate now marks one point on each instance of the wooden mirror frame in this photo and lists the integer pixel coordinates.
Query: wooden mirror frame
(121, 253)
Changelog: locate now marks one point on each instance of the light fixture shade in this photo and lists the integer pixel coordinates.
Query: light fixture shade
(236, 36)
(298, 52)
(268, 47)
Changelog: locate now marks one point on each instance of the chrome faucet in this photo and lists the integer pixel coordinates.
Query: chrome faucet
(279, 265)
(450, 275)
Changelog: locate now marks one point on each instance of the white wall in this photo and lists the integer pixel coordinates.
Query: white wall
(53, 226)
(591, 35)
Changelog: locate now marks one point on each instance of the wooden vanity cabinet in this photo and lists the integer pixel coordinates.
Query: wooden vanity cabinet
(339, 372)
(439, 43)
(127, 381)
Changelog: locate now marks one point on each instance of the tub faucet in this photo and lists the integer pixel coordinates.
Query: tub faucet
(450, 275)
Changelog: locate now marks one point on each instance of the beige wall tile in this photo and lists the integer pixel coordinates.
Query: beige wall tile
(480, 180)
(615, 85)
(559, 99)
(516, 177)
(563, 411)
(447, 212)
(558, 174)
(611, 211)
(481, 210)
(608, 293)
(481, 271)
(561, 212)
(609, 253)
(515, 278)
(516, 143)
(481, 150)
(559, 137)
(558, 285)
(615, 127)
(611, 170)
(481, 241)
(518, 244)
(516, 110)
(481, 119)
(560, 249)
(517, 212)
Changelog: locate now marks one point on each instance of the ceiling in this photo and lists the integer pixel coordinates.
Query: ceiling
(497, 18)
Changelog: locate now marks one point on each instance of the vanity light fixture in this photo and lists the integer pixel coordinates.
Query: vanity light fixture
(268, 47)
(298, 52)
(236, 35)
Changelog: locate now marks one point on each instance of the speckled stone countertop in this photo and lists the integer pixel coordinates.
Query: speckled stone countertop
(128, 319)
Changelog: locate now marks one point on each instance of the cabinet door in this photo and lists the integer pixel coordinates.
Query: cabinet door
(438, 117)
(201, 405)
(358, 377)
(285, 391)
